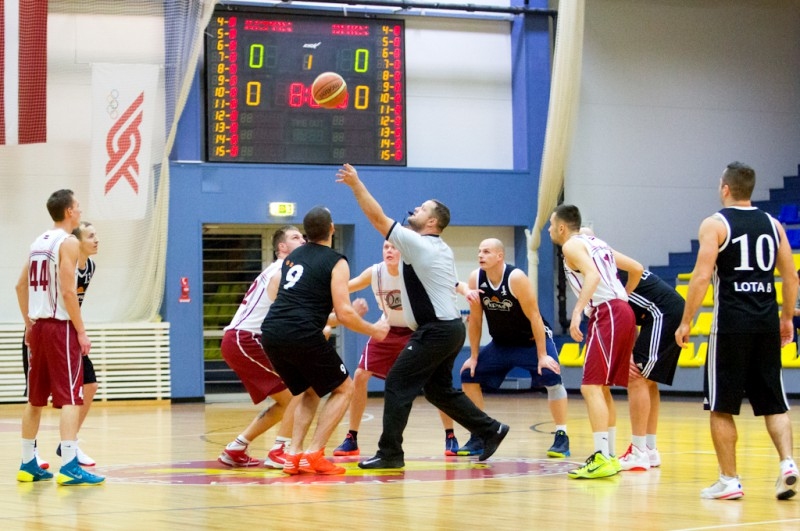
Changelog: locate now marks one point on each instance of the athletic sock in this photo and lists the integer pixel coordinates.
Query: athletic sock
(561, 427)
(354, 434)
(448, 432)
(651, 441)
(639, 441)
(240, 443)
(612, 440)
(28, 448)
(601, 442)
(69, 450)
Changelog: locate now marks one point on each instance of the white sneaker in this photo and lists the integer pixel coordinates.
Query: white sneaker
(83, 459)
(786, 486)
(634, 459)
(655, 457)
(723, 490)
(39, 461)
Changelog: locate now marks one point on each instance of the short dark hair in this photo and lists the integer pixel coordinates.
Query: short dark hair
(58, 203)
(570, 215)
(741, 179)
(279, 237)
(317, 224)
(442, 214)
(78, 232)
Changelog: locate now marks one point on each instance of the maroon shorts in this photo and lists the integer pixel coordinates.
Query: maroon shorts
(379, 356)
(56, 364)
(243, 353)
(609, 344)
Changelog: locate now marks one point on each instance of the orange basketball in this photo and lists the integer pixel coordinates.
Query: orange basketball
(329, 90)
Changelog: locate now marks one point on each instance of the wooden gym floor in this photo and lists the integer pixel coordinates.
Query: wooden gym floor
(160, 461)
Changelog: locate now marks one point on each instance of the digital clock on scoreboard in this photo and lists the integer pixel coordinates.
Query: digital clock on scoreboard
(259, 71)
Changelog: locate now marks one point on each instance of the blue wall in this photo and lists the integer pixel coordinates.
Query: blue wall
(229, 193)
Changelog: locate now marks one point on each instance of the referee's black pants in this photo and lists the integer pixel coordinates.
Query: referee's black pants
(427, 364)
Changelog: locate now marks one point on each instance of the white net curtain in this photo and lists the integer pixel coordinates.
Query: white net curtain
(163, 39)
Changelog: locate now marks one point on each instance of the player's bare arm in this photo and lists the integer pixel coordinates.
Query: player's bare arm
(577, 258)
(785, 265)
(632, 267)
(522, 289)
(712, 232)
(361, 281)
(345, 313)
(474, 326)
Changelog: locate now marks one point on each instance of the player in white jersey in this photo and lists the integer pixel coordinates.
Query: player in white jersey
(242, 351)
(591, 268)
(56, 337)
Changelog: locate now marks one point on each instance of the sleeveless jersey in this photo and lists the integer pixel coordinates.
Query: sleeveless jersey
(255, 304)
(387, 289)
(744, 275)
(84, 277)
(44, 296)
(508, 324)
(304, 301)
(609, 287)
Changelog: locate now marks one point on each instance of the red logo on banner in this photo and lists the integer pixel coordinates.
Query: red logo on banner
(122, 144)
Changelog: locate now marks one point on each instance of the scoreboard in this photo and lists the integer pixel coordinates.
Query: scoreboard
(259, 68)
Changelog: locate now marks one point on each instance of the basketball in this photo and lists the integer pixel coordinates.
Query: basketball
(329, 90)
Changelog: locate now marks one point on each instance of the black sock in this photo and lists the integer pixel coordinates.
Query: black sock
(448, 432)
(354, 433)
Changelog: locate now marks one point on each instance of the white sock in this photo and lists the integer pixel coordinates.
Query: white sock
(69, 450)
(612, 440)
(28, 448)
(651, 441)
(601, 442)
(240, 443)
(639, 441)
(562, 427)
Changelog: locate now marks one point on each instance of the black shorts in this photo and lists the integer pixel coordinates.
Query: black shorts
(313, 364)
(89, 376)
(744, 364)
(656, 352)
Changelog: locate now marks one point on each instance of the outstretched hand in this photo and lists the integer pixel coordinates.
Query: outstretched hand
(348, 175)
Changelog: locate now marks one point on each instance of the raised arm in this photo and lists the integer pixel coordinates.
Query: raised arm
(371, 208)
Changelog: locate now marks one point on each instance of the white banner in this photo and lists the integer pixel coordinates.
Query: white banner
(123, 117)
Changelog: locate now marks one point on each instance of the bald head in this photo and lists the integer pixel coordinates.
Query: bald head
(491, 254)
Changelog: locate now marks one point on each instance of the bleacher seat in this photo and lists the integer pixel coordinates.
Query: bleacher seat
(682, 290)
(690, 358)
(702, 325)
(793, 235)
(789, 214)
(789, 358)
(572, 355)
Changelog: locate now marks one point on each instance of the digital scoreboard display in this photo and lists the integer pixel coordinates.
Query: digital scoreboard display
(259, 72)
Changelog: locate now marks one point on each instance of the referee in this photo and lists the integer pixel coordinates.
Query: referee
(429, 303)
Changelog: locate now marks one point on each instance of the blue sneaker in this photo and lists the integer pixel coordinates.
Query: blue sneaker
(348, 447)
(73, 474)
(451, 445)
(560, 446)
(474, 446)
(31, 471)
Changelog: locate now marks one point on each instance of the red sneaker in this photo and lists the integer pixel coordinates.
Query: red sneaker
(315, 463)
(276, 457)
(237, 458)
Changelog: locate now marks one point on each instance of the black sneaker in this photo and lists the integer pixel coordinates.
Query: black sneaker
(381, 462)
(492, 441)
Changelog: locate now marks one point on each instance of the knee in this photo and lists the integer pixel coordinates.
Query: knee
(556, 392)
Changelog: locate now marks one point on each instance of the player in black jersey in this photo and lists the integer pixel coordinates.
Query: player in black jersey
(740, 246)
(313, 281)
